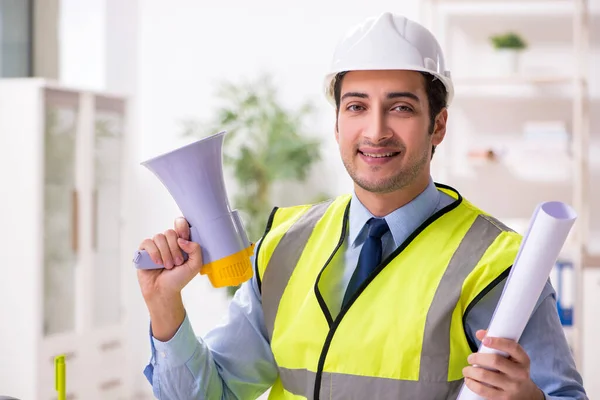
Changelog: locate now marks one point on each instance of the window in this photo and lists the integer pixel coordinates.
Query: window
(16, 38)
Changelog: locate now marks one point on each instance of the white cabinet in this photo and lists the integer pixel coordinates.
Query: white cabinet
(61, 153)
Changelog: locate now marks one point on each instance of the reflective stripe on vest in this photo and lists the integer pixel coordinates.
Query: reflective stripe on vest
(301, 382)
(284, 258)
(479, 237)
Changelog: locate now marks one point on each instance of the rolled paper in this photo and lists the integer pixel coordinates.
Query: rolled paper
(539, 250)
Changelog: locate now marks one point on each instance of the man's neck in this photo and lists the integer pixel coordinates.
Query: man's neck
(382, 204)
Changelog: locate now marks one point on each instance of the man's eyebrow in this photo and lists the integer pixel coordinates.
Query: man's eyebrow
(355, 94)
(391, 95)
(410, 95)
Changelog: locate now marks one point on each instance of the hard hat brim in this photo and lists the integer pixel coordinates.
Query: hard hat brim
(329, 81)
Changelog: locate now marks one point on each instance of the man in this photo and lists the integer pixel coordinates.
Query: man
(379, 294)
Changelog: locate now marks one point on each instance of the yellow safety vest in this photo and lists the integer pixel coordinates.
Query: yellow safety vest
(402, 336)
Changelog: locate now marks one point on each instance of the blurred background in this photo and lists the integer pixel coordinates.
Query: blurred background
(91, 88)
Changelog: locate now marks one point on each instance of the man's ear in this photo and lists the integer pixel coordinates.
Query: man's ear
(439, 128)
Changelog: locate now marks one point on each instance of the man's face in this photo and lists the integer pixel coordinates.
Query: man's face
(383, 129)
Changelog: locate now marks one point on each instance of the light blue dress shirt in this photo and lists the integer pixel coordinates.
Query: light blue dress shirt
(234, 360)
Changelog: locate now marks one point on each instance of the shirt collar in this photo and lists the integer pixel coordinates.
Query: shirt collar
(402, 221)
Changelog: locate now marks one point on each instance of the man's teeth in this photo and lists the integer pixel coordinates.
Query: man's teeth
(379, 155)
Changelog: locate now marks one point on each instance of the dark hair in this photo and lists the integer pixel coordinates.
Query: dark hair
(434, 88)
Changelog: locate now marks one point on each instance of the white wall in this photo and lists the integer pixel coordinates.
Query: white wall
(82, 43)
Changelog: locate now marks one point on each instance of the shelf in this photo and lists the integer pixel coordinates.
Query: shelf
(510, 8)
(515, 200)
(521, 178)
(530, 20)
(522, 87)
(503, 2)
(514, 80)
(509, 175)
(591, 260)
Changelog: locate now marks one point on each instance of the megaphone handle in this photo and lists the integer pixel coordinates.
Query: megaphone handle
(142, 260)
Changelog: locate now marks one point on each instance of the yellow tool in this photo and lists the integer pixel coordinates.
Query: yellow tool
(60, 377)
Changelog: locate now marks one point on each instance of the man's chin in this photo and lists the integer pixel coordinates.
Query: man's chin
(377, 185)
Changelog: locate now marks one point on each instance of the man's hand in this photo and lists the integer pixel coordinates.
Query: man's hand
(501, 378)
(165, 249)
(161, 288)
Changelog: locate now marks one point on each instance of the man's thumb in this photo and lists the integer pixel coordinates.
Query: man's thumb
(194, 252)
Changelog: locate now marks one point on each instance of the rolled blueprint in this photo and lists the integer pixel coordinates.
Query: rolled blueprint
(543, 241)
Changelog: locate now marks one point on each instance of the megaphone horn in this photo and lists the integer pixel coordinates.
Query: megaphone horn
(193, 175)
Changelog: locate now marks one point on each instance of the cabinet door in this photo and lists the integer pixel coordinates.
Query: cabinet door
(106, 234)
(61, 211)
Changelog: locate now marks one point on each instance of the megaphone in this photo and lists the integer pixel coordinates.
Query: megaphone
(193, 175)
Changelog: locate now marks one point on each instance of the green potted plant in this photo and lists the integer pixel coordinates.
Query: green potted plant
(508, 47)
(266, 144)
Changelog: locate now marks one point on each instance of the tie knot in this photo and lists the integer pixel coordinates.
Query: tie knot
(377, 227)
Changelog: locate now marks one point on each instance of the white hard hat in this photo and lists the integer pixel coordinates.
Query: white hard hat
(389, 42)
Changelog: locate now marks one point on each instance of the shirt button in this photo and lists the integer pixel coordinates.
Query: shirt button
(163, 354)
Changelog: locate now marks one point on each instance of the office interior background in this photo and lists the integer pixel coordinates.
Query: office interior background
(89, 89)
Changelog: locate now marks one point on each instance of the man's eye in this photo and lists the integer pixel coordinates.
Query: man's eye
(354, 107)
(403, 109)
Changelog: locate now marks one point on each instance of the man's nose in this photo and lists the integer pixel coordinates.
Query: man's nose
(378, 129)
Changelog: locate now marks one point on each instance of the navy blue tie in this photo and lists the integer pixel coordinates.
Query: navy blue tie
(370, 256)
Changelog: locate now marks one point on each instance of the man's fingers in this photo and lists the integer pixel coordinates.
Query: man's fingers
(482, 390)
(480, 334)
(171, 236)
(490, 378)
(182, 228)
(165, 252)
(194, 253)
(493, 362)
(152, 250)
(508, 346)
